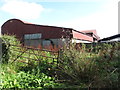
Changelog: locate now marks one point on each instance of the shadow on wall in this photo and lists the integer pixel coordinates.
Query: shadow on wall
(44, 43)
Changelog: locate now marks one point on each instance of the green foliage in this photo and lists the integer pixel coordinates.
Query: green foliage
(92, 68)
(89, 66)
(20, 72)
(10, 39)
(12, 77)
(28, 80)
(7, 49)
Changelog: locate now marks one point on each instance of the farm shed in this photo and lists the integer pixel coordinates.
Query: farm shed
(111, 38)
(34, 35)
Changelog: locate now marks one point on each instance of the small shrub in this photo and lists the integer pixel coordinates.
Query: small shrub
(27, 80)
(7, 49)
(34, 78)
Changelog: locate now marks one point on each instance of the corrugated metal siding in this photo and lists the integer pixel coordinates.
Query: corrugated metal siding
(13, 27)
(18, 28)
(81, 36)
(94, 32)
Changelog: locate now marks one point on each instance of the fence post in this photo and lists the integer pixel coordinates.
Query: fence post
(59, 54)
(5, 49)
(0, 60)
(0, 50)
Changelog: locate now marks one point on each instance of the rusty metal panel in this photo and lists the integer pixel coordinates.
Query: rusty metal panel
(18, 28)
(81, 36)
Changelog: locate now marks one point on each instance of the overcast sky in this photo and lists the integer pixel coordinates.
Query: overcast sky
(101, 15)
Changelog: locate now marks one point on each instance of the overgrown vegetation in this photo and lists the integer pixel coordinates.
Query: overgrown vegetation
(94, 66)
(16, 73)
(20, 79)
(7, 50)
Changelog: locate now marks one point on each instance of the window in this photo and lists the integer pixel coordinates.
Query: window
(33, 36)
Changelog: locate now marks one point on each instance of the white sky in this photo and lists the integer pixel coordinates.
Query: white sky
(105, 20)
(23, 9)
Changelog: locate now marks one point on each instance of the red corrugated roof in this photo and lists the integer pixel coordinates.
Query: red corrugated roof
(86, 31)
(81, 36)
(92, 31)
(27, 22)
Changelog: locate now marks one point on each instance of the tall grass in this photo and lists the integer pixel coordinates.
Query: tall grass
(91, 68)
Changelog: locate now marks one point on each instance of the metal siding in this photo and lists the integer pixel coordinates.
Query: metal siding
(47, 32)
(81, 36)
(13, 27)
(18, 28)
(94, 33)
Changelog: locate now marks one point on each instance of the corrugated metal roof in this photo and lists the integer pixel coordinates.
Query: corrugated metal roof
(92, 31)
(81, 36)
(117, 36)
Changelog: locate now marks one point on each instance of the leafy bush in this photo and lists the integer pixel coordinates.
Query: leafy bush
(12, 77)
(27, 80)
(7, 49)
(10, 39)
